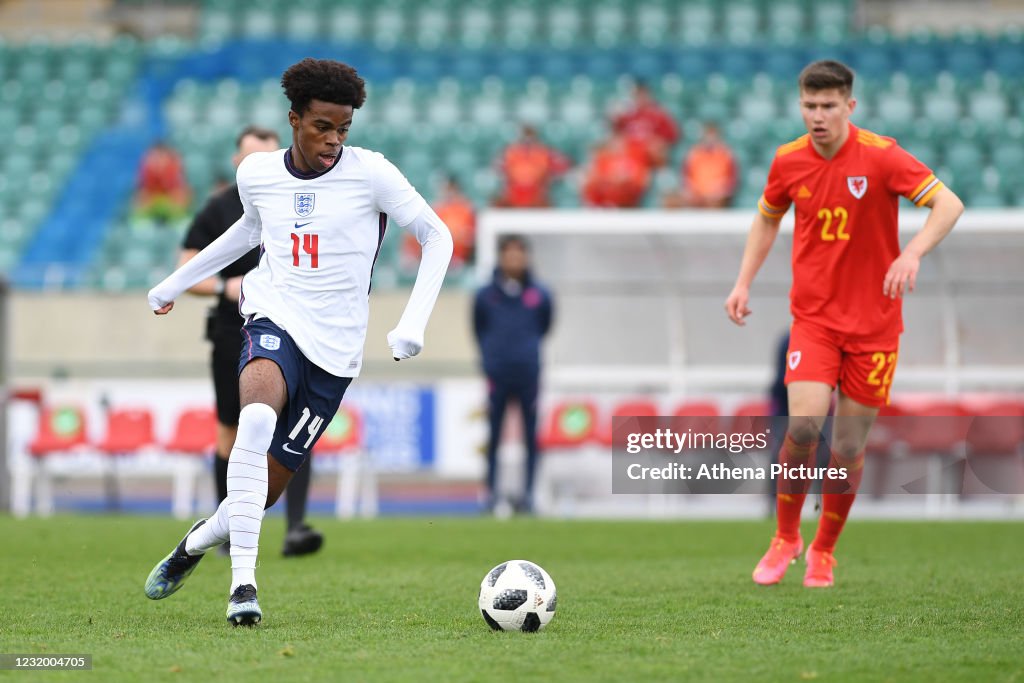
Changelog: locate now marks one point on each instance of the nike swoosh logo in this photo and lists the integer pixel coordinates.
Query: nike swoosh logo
(285, 447)
(298, 226)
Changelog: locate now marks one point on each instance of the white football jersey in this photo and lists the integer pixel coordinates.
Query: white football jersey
(319, 237)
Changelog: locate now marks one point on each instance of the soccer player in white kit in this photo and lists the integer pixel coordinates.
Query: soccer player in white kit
(318, 210)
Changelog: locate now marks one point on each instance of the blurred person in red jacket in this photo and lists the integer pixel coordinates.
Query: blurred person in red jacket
(616, 176)
(709, 174)
(163, 194)
(646, 125)
(529, 167)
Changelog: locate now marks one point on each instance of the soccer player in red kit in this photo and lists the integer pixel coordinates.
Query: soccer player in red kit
(849, 277)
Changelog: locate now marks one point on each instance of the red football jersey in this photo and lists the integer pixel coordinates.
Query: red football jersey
(846, 233)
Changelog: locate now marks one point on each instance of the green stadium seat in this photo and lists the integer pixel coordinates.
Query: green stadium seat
(741, 22)
(697, 22)
(653, 23)
(476, 27)
(564, 24)
(964, 158)
(345, 23)
(608, 23)
(431, 27)
(302, 23)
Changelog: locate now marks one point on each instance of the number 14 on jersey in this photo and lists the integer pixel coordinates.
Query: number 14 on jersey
(309, 242)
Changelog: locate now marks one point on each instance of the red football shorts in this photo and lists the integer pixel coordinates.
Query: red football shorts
(862, 368)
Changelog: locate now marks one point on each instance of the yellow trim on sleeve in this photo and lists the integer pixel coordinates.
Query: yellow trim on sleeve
(924, 184)
(931, 193)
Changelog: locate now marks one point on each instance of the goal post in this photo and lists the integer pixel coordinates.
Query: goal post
(639, 300)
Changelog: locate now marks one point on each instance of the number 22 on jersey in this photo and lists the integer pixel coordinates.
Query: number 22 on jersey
(310, 244)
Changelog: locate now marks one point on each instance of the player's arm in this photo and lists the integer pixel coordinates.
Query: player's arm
(398, 199)
(406, 340)
(211, 286)
(771, 207)
(946, 208)
(231, 288)
(223, 251)
(759, 242)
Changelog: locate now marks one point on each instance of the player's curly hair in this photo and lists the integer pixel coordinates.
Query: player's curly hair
(827, 74)
(325, 80)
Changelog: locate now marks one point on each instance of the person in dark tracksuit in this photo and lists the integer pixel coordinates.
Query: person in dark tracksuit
(511, 316)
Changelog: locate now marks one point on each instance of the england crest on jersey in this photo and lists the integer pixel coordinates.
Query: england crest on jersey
(304, 202)
(858, 185)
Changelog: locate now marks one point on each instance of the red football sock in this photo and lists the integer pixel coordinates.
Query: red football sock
(789, 501)
(837, 499)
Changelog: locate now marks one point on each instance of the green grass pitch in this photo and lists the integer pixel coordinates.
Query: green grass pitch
(395, 600)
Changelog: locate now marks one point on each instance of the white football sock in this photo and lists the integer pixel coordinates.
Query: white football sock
(211, 534)
(247, 489)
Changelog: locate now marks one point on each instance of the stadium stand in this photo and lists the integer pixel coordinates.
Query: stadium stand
(474, 71)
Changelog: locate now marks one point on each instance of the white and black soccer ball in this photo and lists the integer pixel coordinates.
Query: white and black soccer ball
(517, 595)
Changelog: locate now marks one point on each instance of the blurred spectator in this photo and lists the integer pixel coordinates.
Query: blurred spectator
(709, 173)
(529, 167)
(511, 316)
(457, 211)
(163, 195)
(647, 126)
(616, 176)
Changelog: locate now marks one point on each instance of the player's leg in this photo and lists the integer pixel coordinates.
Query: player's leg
(865, 379)
(224, 368)
(812, 370)
(263, 393)
(528, 394)
(497, 401)
(300, 539)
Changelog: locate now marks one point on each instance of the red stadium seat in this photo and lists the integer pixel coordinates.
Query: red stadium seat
(569, 424)
(926, 431)
(128, 431)
(706, 411)
(996, 429)
(630, 408)
(195, 432)
(751, 417)
(344, 434)
(60, 429)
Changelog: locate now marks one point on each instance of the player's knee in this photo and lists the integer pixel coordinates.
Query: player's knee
(846, 450)
(258, 420)
(803, 431)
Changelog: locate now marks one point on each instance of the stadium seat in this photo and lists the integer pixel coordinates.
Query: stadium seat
(61, 434)
(994, 446)
(569, 424)
(629, 408)
(61, 429)
(751, 417)
(342, 444)
(195, 433)
(697, 415)
(128, 431)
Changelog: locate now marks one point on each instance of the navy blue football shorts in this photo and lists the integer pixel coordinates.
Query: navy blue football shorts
(313, 393)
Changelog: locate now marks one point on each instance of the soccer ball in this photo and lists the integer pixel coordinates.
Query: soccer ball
(517, 596)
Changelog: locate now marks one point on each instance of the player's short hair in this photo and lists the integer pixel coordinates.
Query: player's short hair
(325, 80)
(257, 132)
(827, 74)
(506, 241)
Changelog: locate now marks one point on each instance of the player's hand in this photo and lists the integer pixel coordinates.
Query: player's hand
(159, 306)
(404, 343)
(736, 305)
(902, 276)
